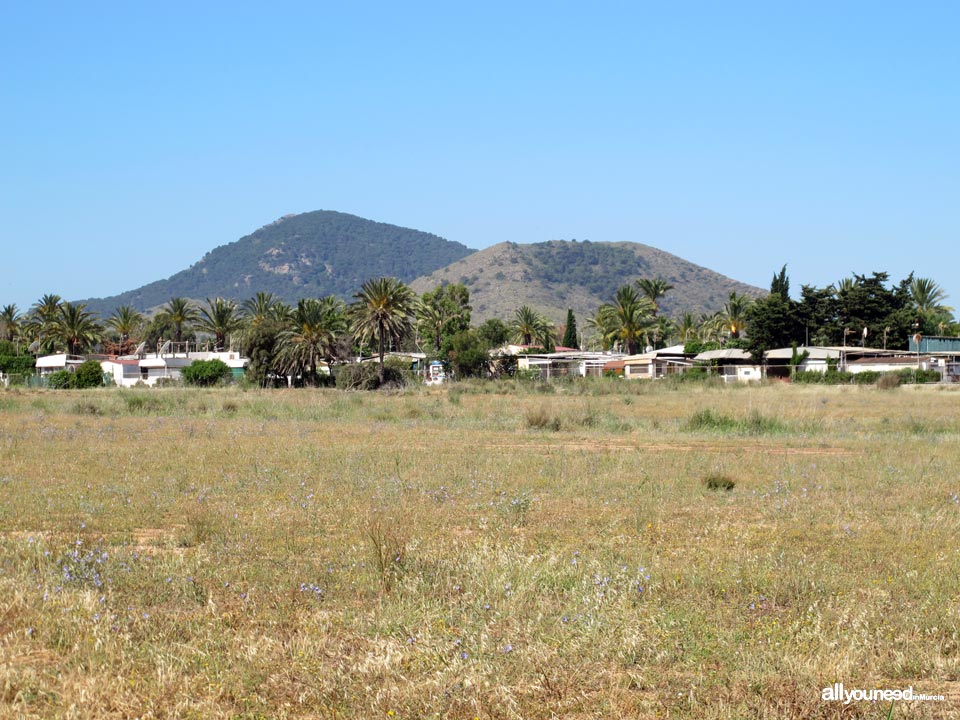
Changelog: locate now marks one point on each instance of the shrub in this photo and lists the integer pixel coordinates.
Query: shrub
(832, 376)
(60, 380)
(17, 364)
(388, 548)
(718, 482)
(366, 376)
(542, 419)
(887, 381)
(707, 419)
(754, 424)
(912, 375)
(205, 373)
(468, 354)
(88, 375)
(695, 374)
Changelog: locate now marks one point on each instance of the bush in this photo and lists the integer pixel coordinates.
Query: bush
(912, 375)
(888, 381)
(17, 364)
(830, 377)
(542, 419)
(60, 380)
(707, 420)
(468, 354)
(205, 373)
(694, 374)
(718, 482)
(366, 376)
(88, 375)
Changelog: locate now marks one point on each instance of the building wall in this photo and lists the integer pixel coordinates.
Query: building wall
(936, 343)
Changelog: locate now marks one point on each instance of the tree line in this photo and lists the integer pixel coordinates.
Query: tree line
(301, 340)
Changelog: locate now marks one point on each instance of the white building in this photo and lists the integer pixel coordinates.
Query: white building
(49, 364)
(656, 363)
(732, 365)
(166, 364)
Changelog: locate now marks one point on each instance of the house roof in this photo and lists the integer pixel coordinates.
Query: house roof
(898, 360)
(59, 360)
(513, 347)
(673, 350)
(724, 354)
(815, 353)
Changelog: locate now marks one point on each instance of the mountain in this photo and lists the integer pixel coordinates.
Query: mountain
(309, 255)
(322, 253)
(559, 274)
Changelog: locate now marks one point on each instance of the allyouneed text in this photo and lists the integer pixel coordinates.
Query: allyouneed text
(837, 693)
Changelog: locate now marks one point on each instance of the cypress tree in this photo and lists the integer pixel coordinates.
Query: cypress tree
(570, 335)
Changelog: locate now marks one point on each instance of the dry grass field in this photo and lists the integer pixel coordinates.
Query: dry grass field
(594, 550)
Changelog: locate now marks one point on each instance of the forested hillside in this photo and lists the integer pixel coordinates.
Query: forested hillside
(310, 255)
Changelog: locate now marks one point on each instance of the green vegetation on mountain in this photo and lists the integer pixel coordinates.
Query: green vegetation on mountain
(314, 254)
(559, 275)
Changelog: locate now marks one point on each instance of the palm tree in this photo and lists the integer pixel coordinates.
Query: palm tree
(843, 286)
(220, 318)
(927, 298)
(687, 328)
(316, 327)
(48, 307)
(40, 323)
(602, 324)
(9, 322)
(710, 327)
(663, 328)
(444, 310)
(76, 328)
(628, 319)
(382, 309)
(179, 312)
(654, 290)
(431, 316)
(260, 308)
(733, 314)
(528, 325)
(126, 322)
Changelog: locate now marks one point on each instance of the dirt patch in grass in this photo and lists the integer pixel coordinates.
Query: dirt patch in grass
(672, 447)
(39, 658)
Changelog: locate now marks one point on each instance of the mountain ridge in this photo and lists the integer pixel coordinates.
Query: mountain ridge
(325, 252)
(311, 254)
(506, 275)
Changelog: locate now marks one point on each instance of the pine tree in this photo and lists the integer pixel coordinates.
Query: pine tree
(570, 335)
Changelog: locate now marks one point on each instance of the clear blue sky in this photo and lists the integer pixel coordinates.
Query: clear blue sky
(134, 137)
